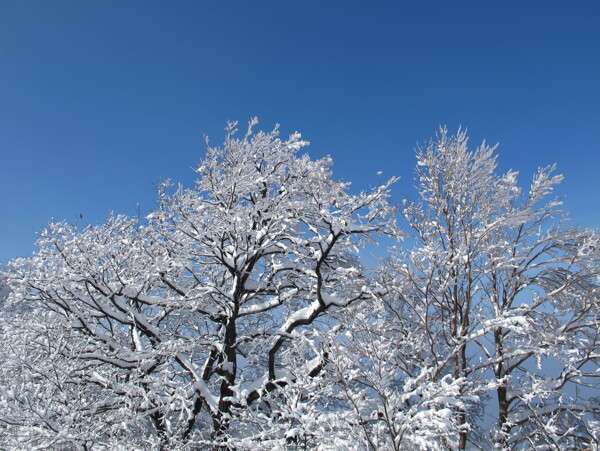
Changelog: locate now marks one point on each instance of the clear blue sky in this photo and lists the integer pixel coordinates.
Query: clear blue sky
(101, 99)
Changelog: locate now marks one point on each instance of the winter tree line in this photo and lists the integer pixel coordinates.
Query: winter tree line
(238, 315)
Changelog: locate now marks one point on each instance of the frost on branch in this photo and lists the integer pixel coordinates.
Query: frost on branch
(503, 294)
(189, 321)
(238, 315)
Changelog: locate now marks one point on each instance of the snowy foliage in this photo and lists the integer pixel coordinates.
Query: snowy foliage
(238, 314)
(187, 321)
(503, 293)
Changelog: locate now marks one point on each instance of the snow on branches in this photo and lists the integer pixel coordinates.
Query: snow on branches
(190, 318)
(237, 315)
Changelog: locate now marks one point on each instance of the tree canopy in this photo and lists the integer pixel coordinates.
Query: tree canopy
(238, 314)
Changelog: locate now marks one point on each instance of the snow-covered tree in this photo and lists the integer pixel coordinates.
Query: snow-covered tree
(238, 314)
(504, 296)
(4, 290)
(395, 399)
(174, 329)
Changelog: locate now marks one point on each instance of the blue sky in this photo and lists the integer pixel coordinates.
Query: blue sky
(99, 100)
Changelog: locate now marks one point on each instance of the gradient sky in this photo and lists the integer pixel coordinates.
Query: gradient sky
(99, 100)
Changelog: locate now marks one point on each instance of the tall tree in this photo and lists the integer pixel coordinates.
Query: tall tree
(193, 318)
(505, 294)
(239, 315)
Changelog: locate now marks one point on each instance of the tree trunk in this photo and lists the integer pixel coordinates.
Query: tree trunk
(227, 371)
